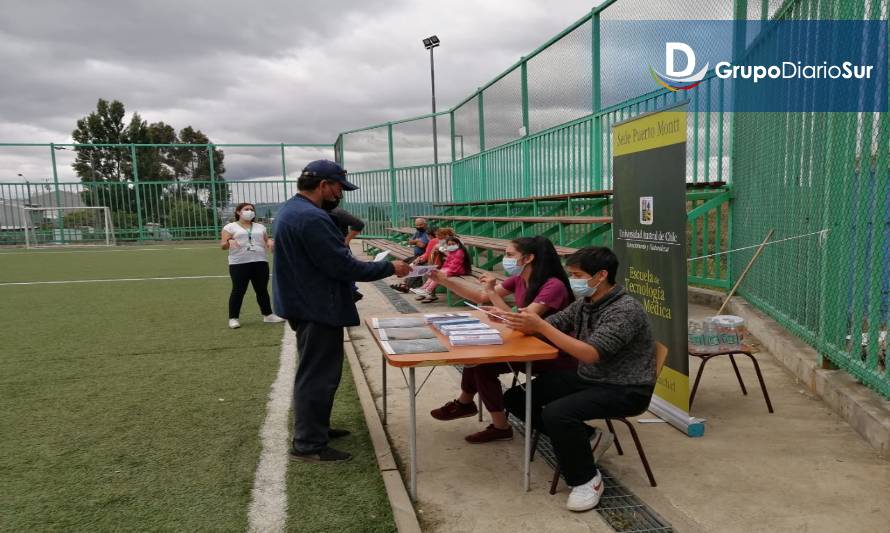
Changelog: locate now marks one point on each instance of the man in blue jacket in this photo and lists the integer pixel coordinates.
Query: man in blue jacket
(313, 278)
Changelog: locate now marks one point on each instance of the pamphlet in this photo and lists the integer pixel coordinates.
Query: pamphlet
(397, 322)
(399, 347)
(434, 317)
(480, 331)
(406, 333)
(454, 321)
(421, 270)
(381, 256)
(445, 328)
(475, 340)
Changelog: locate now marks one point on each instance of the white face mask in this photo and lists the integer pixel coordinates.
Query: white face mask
(511, 266)
(581, 288)
(247, 215)
(452, 248)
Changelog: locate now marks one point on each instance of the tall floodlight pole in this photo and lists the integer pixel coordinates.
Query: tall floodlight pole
(429, 43)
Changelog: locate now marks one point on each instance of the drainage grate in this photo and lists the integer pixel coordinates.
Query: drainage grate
(395, 298)
(619, 507)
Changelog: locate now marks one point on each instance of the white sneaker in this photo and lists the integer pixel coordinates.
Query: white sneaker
(419, 292)
(234, 324)
(272, 319)
(600, 442)
(585, 497)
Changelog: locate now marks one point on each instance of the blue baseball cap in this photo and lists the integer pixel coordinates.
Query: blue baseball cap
(329, 170)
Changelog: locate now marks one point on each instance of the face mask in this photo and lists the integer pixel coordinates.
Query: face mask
(581, 288)
(452, 248)
(247, 215)
(329, 205)
(511, 266)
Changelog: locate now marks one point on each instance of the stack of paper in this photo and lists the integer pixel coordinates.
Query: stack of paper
(476, 339)
(397, 322)
(465, 330)
(432, 318)
(449, 322)
(407, 334)
(412, 346)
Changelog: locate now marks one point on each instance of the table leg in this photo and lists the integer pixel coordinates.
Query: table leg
(384, 390)
(412, 436)
(528, 425)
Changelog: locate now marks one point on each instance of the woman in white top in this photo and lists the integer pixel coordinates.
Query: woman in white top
(247, 243)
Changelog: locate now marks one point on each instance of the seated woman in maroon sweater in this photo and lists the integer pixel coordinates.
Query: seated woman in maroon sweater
(540, 285)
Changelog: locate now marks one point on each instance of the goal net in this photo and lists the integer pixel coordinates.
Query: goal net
(68, 226)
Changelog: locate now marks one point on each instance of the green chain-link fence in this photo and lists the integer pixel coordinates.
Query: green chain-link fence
(153, 192)
(543, 127)
(801, 173)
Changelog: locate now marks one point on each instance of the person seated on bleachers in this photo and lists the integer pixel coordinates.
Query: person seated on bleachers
(457, 263)
(607, 330)
(432, 256)
(540, 286)
(420, 238)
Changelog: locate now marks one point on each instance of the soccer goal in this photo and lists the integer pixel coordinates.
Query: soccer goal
(68, 226)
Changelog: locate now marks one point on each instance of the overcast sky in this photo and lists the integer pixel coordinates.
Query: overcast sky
(250, 72)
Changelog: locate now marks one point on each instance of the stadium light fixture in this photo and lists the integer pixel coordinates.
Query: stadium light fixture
(429, 43)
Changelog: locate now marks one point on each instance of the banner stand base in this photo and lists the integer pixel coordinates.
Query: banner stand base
(691, 426)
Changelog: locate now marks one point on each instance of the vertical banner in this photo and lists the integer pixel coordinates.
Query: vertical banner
(649, 237)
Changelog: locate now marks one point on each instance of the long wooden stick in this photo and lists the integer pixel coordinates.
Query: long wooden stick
(745, 272)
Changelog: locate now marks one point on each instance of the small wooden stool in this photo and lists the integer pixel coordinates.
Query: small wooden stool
(707, 355)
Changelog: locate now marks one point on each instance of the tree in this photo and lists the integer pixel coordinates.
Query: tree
(185, 214)
(103, 126)
(107, 172)
(194, 163)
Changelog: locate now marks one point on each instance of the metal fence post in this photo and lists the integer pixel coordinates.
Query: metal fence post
(482, 173)
(213, 188)
(526, 171)
(596, 148)
(393, 194)
(283, 171)
(59, 221)
(135, 171)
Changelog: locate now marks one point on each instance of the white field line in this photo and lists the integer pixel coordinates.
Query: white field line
(65, 282)
(268, 500)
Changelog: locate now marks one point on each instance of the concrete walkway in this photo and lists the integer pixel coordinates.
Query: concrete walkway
(799, 469)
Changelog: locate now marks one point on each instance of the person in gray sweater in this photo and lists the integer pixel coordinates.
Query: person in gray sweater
(608, 332)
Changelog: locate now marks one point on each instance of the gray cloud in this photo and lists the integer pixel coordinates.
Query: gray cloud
(244, 72)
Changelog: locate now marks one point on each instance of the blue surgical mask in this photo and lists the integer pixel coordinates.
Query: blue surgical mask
(581, 288)
(511, 266)
(452, 248)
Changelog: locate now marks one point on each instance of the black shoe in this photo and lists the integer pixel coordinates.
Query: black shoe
(325, 455)
(338, 433)
(356, 296)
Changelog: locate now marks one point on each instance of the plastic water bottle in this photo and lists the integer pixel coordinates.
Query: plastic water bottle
(711, 335)
(695, 338)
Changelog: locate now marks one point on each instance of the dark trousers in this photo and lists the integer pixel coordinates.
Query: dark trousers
(257, 274)
(562, 402)
(484, 379)
(319, 368)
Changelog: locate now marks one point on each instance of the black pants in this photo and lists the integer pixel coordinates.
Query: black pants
(256, 273)
(562, 402)
(318, 375)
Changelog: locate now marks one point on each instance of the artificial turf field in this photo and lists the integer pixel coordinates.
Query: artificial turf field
(131, 406)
